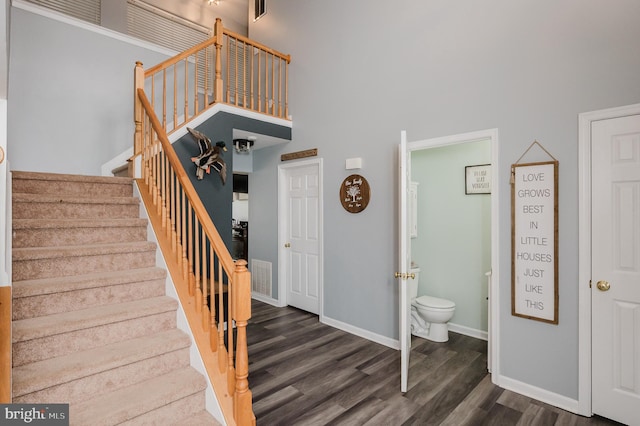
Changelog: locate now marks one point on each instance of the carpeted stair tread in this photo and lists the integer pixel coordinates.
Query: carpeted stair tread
(138, 400)
(32, 253)
(77, 223)
(54, 371)
(25, 197)
(50, 325)
(43, 286)
(70, 177)
(44, 183)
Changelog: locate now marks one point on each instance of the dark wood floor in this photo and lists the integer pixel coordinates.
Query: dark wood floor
(302, 372)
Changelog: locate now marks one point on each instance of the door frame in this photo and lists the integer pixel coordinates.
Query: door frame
(283, 279)
(584, 247)
(494, 293)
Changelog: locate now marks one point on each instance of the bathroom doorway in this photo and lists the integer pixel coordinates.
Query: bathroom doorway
(454, 224)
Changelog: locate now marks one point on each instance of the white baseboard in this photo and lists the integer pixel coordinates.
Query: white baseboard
(535, 392)
(383, 340)
(467, 331)
(266, 299)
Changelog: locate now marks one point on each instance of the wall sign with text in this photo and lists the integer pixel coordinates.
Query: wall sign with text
(534, 241)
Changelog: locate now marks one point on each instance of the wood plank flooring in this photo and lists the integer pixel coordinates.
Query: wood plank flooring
(302, 372)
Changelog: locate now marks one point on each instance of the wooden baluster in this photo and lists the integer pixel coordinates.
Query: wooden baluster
(174, 234)
(231, 374)
(273, 85)
(259, 83)
(222, 316)
(279, 87)
(175, 97)
(195, 85)
(244, 75)
(204, 318)
(178, 251)
(163, 190)
(242, 410)
(191, 233)
(218, 43)
(228, 81)
(251, 78)
(164, 99)
(138, 83)
(213, 336)
(266, 82)
(198, 274)
(159, 178)
(185, 231)
(286, 89)
(208, 282)
(186, 91)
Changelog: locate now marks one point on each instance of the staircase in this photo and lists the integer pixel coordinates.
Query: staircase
(92, 325)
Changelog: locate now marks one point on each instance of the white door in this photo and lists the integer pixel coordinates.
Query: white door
(404, 261)
(302, 235)
(615, 292)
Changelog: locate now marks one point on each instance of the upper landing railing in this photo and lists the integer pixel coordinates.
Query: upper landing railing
(228, 68)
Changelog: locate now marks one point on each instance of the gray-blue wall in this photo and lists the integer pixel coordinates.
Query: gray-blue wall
(362, 71)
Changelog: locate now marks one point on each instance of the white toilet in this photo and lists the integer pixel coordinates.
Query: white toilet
(429, 315)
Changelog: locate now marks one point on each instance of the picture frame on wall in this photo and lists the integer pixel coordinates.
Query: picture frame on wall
(477, 179)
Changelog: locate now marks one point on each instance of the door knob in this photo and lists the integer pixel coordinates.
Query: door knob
(603, 285)
(405, 276)
(287, 245)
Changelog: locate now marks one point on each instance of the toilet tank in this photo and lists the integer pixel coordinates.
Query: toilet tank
(413, 283)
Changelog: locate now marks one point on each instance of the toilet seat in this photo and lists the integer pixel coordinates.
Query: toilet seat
(434, 302)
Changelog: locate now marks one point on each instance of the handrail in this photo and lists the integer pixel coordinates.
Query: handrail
(199, 263)
(245, 74)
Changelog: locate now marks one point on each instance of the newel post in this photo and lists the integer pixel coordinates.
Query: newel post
(219, 35)
(138, 83)
(242, 408)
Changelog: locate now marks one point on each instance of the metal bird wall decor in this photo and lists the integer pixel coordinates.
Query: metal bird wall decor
(210, 156)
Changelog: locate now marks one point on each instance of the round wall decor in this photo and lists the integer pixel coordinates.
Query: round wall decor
(355, 193)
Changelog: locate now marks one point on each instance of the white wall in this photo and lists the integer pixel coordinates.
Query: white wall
(362, 71)
(453, 246)
(70, 95)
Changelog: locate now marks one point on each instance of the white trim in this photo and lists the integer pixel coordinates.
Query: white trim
(539, 394)
(494, 302)
(366, 334)
(266, 299)
(282, 281)
(51, 14)
(584, 247)
(5, 196)
(118, 161)
(195, 359)
(468, 331)
(122, 158)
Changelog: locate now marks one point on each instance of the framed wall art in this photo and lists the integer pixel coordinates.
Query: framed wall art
(477, 179)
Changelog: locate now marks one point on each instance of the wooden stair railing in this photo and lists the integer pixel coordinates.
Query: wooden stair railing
(229, 69)
(200, 265)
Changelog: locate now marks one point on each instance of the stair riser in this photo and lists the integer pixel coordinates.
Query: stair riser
(171, 414)
(107, 381)
(22, 210)
(50, 237)
(70, 188)
(48, 304)
(78, 340)
(65, 266)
